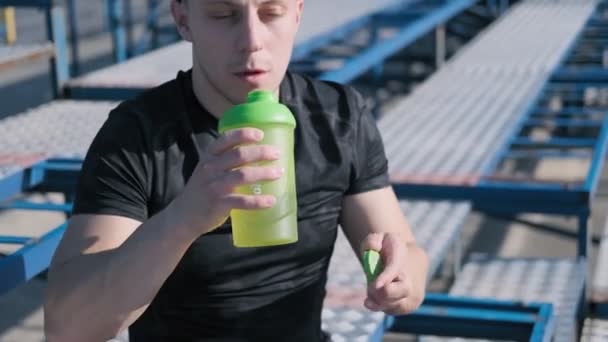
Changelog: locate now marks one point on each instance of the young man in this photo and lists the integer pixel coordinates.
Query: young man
(149, 245)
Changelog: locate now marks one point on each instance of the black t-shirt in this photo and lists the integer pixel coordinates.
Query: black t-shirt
(143, 156)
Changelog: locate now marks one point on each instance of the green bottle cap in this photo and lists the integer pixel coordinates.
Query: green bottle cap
(372, 264)
(261, 108)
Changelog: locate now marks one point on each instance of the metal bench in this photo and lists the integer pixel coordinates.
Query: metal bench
(58, 129)
(467, 112)
(453, 128)
(55, 49)
(557, 281)
(13, 55)
(573, 105)
(595, 330)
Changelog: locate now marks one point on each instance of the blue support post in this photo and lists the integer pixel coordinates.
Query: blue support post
(2, 30)
(60, 66)
(115, 17)
(597, 161)
(583, 234)
(128, 16)
(492, 7)
(74, 39)
(153, 17)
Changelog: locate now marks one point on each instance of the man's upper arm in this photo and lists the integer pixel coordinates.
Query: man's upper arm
(87, 234)
(370, 204)
(111, 196)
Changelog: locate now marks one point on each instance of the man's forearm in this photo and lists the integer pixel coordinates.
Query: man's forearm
(94, 296)
(418, 265)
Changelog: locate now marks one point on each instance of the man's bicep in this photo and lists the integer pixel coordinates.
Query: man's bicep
(88, 234)
(114, 179)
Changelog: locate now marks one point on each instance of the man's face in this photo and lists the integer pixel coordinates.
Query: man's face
(241, 45)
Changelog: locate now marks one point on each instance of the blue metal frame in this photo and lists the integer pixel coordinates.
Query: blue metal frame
(115, 16)
(414, 21)
(30, 260)
(518, 195)
(451, 316)
(35, 255)
(54, 173)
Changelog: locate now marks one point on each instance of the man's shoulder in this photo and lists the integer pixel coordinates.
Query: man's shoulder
(154, 108)
(324, 95)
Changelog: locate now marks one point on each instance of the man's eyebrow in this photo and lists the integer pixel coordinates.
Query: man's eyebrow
(228, 2)
(271, 2)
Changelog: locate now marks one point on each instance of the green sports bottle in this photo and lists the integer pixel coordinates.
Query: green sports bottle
(277, 225)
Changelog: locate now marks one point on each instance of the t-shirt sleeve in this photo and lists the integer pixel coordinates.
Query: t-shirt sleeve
(113, 179)
(370, 165)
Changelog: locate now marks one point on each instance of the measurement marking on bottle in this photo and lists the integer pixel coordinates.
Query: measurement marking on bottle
(256, 189)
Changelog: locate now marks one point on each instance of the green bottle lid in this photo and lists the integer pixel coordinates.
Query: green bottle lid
(261, 108)
(372, 264)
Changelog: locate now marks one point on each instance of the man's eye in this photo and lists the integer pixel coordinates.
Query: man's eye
(272, 12)
(223, 14)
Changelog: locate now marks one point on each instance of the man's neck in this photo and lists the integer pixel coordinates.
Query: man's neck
(208, 96)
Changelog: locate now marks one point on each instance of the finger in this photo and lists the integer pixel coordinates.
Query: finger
(395, 309)
(245, 155)
(370, 304)
(387, 276)
(251, 175)
(393, 256)
(247, 202)
(231, 139)
(390, 292)
(372, 241)
(382, 305)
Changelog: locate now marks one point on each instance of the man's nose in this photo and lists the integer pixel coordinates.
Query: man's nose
(252, 30)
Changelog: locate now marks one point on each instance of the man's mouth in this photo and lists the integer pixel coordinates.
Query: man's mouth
(251, 75)
(251, 72)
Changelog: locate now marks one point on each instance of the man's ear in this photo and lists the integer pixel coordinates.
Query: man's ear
(179, 10)
(299, 9)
